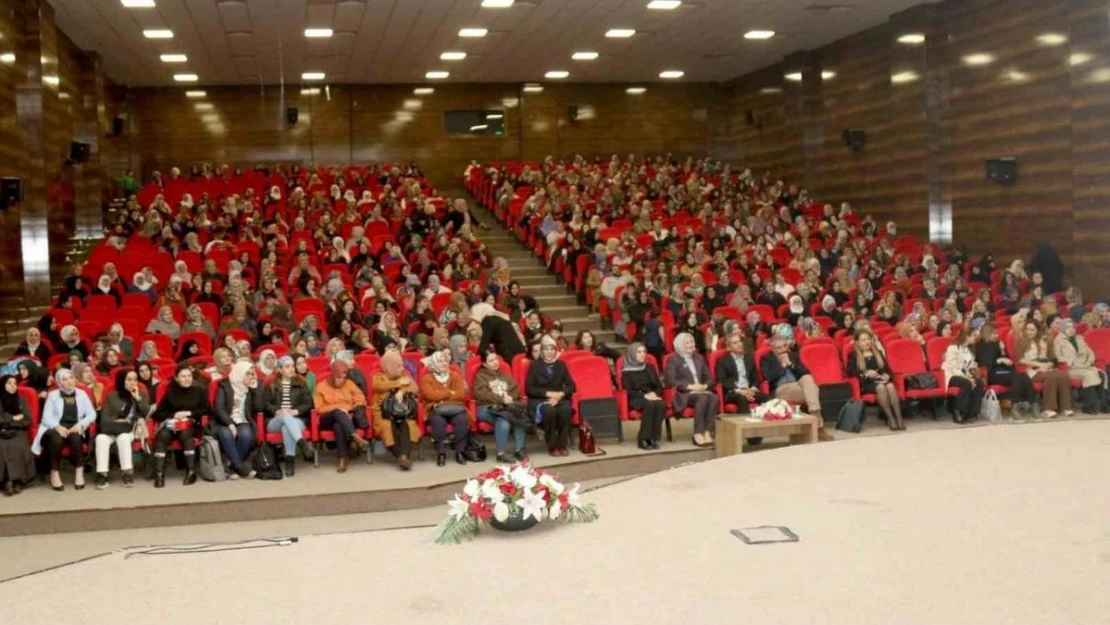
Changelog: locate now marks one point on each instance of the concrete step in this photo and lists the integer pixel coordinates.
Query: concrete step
(546, 301)
(530, 271)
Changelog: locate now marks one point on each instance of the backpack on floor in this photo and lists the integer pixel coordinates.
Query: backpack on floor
(211, 466)
(851, 416)
(265, 463)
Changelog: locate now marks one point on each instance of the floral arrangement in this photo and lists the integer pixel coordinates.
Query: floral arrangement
(773, 410)
(517, 490)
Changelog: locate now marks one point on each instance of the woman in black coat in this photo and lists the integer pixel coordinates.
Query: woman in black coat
(178, 415)
(498, 333)
(645, 393)
(549, 388)
(17, 463)
(238, 400)
(288, 410)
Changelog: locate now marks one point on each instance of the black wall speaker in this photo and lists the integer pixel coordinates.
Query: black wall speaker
(11, 191)
(1002, 170)
(854, 138)
(78, 152)
(118, 126)
(572, 112)
(291, 115)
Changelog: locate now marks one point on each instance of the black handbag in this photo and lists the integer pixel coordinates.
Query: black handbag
(921, 382)
(515, 414)
(399, 410)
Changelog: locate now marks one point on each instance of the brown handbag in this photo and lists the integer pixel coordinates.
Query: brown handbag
(587, 444)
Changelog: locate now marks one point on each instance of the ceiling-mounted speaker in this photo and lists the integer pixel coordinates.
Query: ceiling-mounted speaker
(854, 138)
(1002, 170)
(291, 115)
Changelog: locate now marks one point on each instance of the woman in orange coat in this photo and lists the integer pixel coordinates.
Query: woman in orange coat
(397, 431)
(443, 394)
(342, 409)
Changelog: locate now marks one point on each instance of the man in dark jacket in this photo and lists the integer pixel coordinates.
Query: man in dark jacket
(735, 371)
(790, 380)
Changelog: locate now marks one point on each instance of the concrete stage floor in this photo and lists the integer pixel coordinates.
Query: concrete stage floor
(987, 525)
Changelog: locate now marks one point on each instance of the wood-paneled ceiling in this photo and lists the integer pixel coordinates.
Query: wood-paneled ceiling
(393, 41)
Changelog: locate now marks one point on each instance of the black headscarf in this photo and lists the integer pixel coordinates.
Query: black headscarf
(9, 402)
(47, 333)
(37, 377)
(121, 390)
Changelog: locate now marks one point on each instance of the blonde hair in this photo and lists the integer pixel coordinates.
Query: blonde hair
(875, 351)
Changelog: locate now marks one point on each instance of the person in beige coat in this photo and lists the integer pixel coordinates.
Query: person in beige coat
(1074, 352)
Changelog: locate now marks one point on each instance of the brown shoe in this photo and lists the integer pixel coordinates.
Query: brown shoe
(342, 468)
(824, 436)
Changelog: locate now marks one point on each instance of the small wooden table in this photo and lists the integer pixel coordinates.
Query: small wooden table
(733, 430)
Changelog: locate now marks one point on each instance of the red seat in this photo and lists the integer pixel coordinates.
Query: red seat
(161, 341)
(627, 413)
(204, 342)
(592, 380)
(906, 358)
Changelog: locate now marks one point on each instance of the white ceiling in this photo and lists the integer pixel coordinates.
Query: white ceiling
(397, 41)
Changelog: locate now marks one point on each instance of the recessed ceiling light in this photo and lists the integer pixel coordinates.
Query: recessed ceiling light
(584, 56)
(412, 104)
(437, 75)
(1052, 39)
(770, 90)
(137, 4)
(312, 76)
(203, 106)
(185, 77)
(174, 58)
(318, 33)
(210, 119)
(978, 59)
(827, 74)
(158, 33)
(310, 91)
(672, 73)
(912, 38)
(497, 4)
(557, 73)
(759, 34)
(902, 78)
(195, 94)
(1078, 58)
(424, 91)
(620, 33)
(495, 116)
(1017, 75)
(533, 88)
(7, 57)
(473, 32)
(664, 5)
(452, 56)
(635, 90)
(51, 80)
(794, 76)
(478, 127)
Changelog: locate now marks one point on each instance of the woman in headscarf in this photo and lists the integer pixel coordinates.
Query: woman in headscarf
(147, 377)
(549, 387)
(397, 433)
(267, 362)
(129, 401)
(122, 344)
(645, 393)
(72, 343)
(494, 389)
(288, 411)
(443, 394)
(172, 295)
(35, 376)
(689, 374)
(342, 409)
(195, 321)
(149, 352)
(66, 417)
(1072, 350)
(164, 323)
(17, 463)
(86, 378)
(48, 328)
(33, 347)
(141, 284)
(104, 287)
(176, 416)
(384, 331)
(282, 318)
(238, 400)
(460, 353)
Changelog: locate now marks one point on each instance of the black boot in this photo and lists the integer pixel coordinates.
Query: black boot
(957, 417)
(307, 452)
(190, 469)
(159, 471)
(290, 469)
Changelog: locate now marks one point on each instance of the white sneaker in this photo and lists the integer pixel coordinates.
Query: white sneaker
(1069, 413)
(232, 475)
(1049, 414)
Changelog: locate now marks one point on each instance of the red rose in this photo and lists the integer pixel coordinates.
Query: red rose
(508, 489)
(481, 510)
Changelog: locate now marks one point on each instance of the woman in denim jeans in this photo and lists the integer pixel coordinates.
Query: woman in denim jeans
(288, 410)
(493, 387)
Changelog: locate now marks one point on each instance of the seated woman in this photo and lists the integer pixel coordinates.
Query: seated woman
(1036, 352)
(494, 389)
(34, 347)
(586, 342)
(549, 388)
(238, 399)
(875, 377)
(289, 410)
(195, 321)
(177, 417)
(17, 463)
(645, 393)
(398, 430)
(443, 393)
(961, 371)
(164, 323)
(990, 352)
(66, 417)
(1073, 351)
(127, 403)
(342, 409)
(689, 374)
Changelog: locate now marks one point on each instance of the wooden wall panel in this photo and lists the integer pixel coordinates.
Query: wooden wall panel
(13, 158)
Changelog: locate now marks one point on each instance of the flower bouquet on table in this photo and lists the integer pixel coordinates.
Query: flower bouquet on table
(511, 497)
(773, 410)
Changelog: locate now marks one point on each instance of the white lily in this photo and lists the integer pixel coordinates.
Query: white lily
(555, 510)
(552, 484)
(532, 505)
(459, 508)
(523, 478)
(492, 492)
(572, 497)
(501, 511)
(472, 488)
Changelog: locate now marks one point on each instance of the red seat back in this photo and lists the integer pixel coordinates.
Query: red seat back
(935, 349)
(823, 362)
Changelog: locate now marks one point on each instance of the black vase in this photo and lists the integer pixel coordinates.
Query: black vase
(515, 523)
